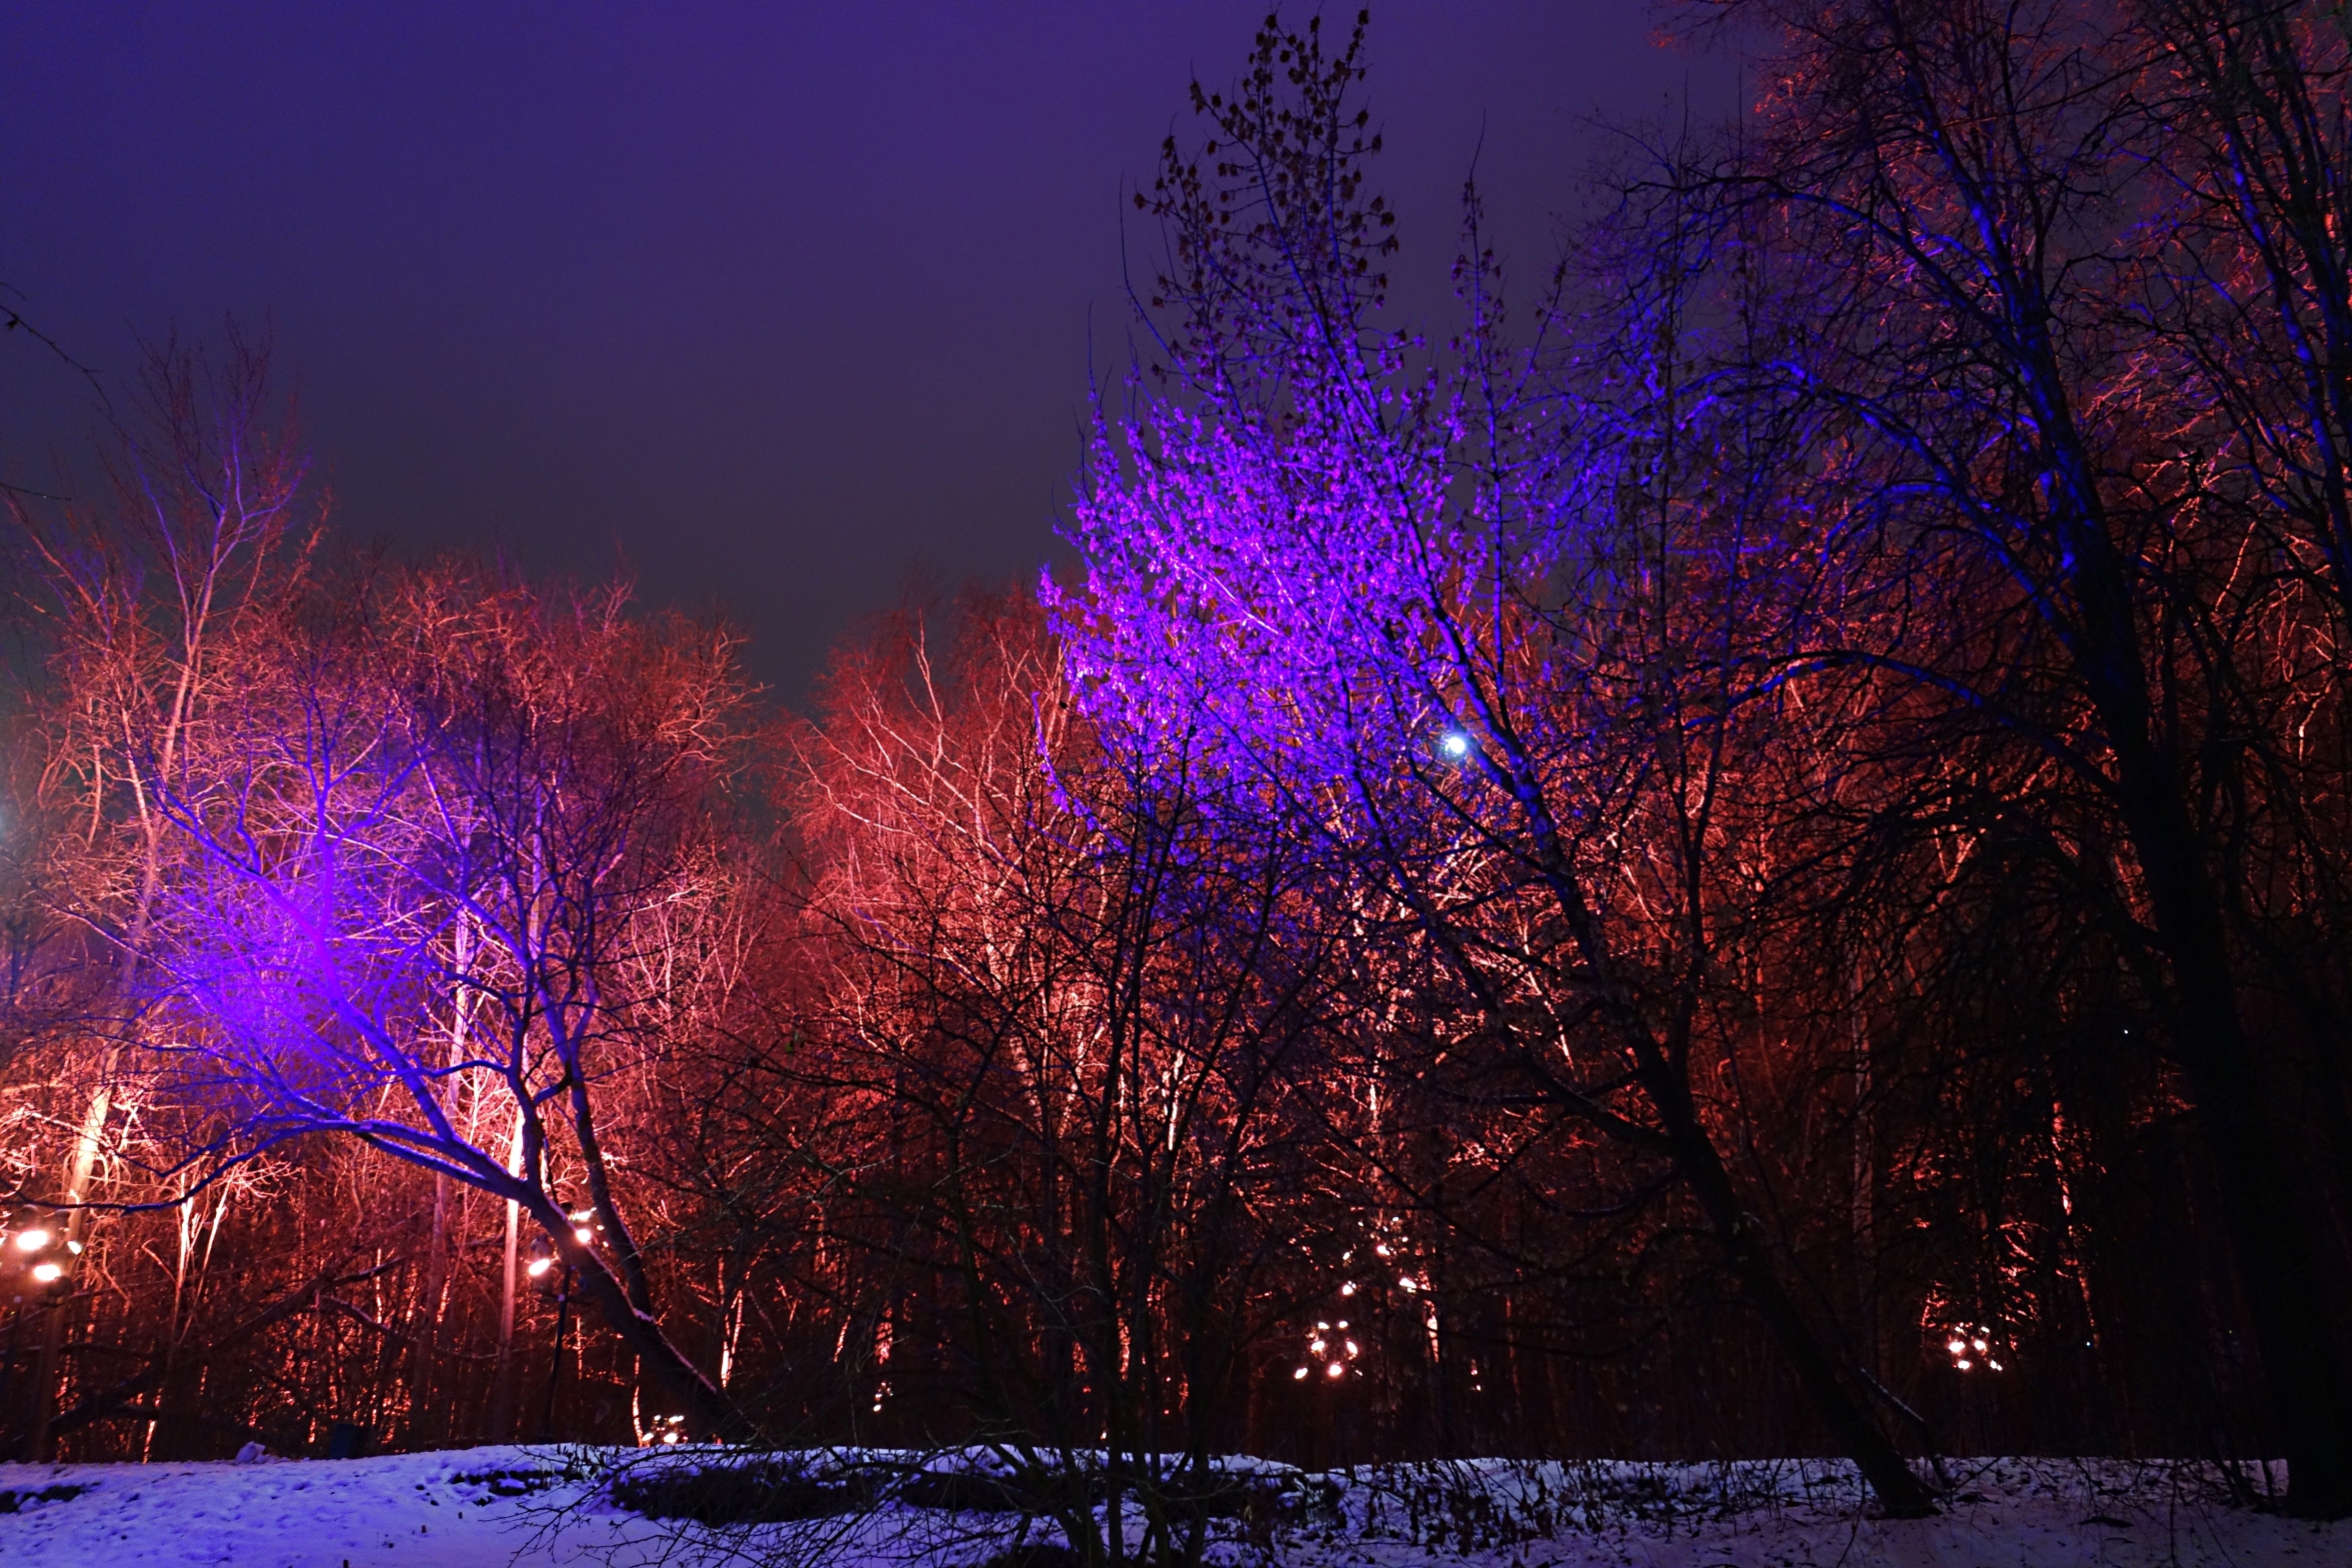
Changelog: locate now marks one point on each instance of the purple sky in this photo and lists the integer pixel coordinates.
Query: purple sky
(776, 302)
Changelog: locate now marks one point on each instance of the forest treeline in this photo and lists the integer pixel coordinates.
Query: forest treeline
(1748, 857)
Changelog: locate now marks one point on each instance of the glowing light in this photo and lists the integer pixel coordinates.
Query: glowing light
(1407, 1283)
(1299, 1375)
(48, 1273)
(1336, 1369)
(1455, 745)
(1971, 1344)
(1351, 1350)
(1382, 1249)
(1315, 1344)
(1348, 1288)
(583, 1236)
(539, 1266)
(32, 1240)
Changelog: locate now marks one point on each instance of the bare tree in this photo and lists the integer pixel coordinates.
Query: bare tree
(419, 879)
(1087, 1008)
(1496, 658)
(1995, 352)
(140, 607)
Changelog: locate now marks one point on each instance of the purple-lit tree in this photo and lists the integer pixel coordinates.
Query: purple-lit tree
(1497, 650)
(444, 882)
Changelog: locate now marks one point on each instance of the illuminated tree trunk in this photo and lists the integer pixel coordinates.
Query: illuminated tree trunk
(501, 1385)
(426, 1414)
(188, 1221)
(47, 1374)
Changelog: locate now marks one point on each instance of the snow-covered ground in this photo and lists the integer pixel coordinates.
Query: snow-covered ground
(491, 1507)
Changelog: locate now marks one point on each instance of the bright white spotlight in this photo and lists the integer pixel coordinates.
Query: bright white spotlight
(32, 1240)
(1455, 745)
(48, 1273)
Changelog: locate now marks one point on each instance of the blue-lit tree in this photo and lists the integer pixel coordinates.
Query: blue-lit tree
(1501, 651)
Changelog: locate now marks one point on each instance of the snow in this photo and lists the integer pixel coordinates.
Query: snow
(414, 1510)
(492, 1507)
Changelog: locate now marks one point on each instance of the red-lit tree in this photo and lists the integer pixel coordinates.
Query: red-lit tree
(2069, 339)
(1083, 1011)
(143, 607)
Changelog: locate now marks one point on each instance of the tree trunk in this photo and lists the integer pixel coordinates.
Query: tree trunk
(1902, 1494)
(424, 1411)
(46, 1371)
(501, 1386)
(709, 1412)
(2265, 1209)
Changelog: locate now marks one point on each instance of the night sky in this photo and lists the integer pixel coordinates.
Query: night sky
(786, 307)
